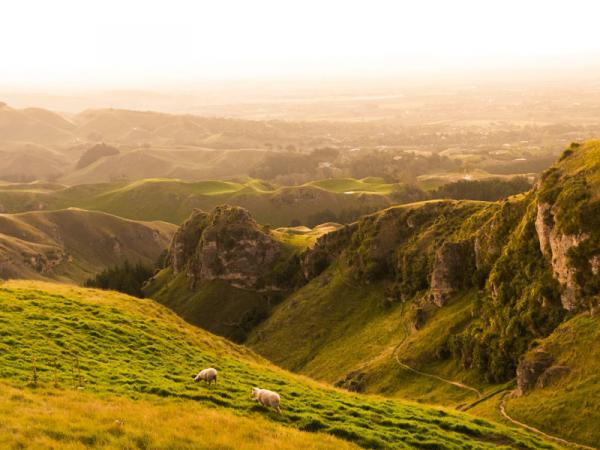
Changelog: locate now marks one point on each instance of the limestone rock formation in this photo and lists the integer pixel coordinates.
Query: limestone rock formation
(452, 270)
(226, 244)
(531, 367)
(556, 246)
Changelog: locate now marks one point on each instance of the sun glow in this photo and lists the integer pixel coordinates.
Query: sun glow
(113, 42)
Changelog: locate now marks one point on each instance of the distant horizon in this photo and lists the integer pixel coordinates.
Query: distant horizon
(181, 97)
(157, 44)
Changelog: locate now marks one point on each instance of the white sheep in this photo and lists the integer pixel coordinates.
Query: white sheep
(267, 398)
(207, 375)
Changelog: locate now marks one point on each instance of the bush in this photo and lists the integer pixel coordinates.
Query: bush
(126, 278)
(488, 190)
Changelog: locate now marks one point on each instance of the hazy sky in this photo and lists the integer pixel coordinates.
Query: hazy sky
(141, 43)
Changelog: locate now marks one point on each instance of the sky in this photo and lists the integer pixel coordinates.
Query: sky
(126, 44)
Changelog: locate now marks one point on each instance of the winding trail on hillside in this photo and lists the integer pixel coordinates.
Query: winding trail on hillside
(536, 430)
(457, 384)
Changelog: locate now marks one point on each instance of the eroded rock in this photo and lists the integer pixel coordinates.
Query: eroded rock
(452, 270)
(556, 246)
(531, 367)
(226, 244)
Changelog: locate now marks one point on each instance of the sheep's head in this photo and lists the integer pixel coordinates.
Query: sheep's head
(255, 391)
(196, 377)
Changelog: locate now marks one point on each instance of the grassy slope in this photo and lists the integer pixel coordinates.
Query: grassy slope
(50, 418)
(575, 344)
(173, 200)
(334, 326)
(175, 424)
(136, 349)
(212, 305)
(74, 244)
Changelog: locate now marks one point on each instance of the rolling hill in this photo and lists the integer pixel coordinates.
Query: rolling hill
(128, 363)
(438, 301)
(174, 200)
(74, 244)
(34, 125)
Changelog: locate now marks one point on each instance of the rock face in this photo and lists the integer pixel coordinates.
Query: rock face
(556, 246)
(531, 368)
(226, 244)
(452, 270)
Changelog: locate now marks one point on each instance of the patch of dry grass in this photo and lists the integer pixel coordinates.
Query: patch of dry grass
(67, 419)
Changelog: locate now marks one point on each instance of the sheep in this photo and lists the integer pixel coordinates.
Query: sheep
(207, 375)
(267, 398)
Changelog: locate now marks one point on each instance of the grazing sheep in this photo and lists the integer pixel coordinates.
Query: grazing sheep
(207, 375)
(267, 398)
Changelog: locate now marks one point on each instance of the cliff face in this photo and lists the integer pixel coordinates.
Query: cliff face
(226, 245)
(556, 246)
(452, 270)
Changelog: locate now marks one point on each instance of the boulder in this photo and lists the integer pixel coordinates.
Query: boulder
(530, 368)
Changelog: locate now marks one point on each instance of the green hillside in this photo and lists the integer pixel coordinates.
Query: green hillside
(440, 301)
(74, 244)
(113, 348)
(173, 200)
(570, 390)
(51, 418)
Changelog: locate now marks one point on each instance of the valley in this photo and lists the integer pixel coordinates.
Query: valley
(308, 225)
(394, 298)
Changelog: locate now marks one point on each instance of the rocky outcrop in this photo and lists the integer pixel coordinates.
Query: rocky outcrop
(452, 270)
(556, 246)
(227, 245)
(531, 367)
(186, 239)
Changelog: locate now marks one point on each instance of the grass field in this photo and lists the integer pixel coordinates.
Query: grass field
(173, 200)
(120, 349)
(50, 418)
(353, 185)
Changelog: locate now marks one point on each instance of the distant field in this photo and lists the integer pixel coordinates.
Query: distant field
(173, 200)
(352, 185)
(109, 345)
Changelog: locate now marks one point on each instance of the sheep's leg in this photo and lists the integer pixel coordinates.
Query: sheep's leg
(278, 409)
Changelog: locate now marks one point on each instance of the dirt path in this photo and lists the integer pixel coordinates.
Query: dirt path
(536, 430)
(457, 384)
